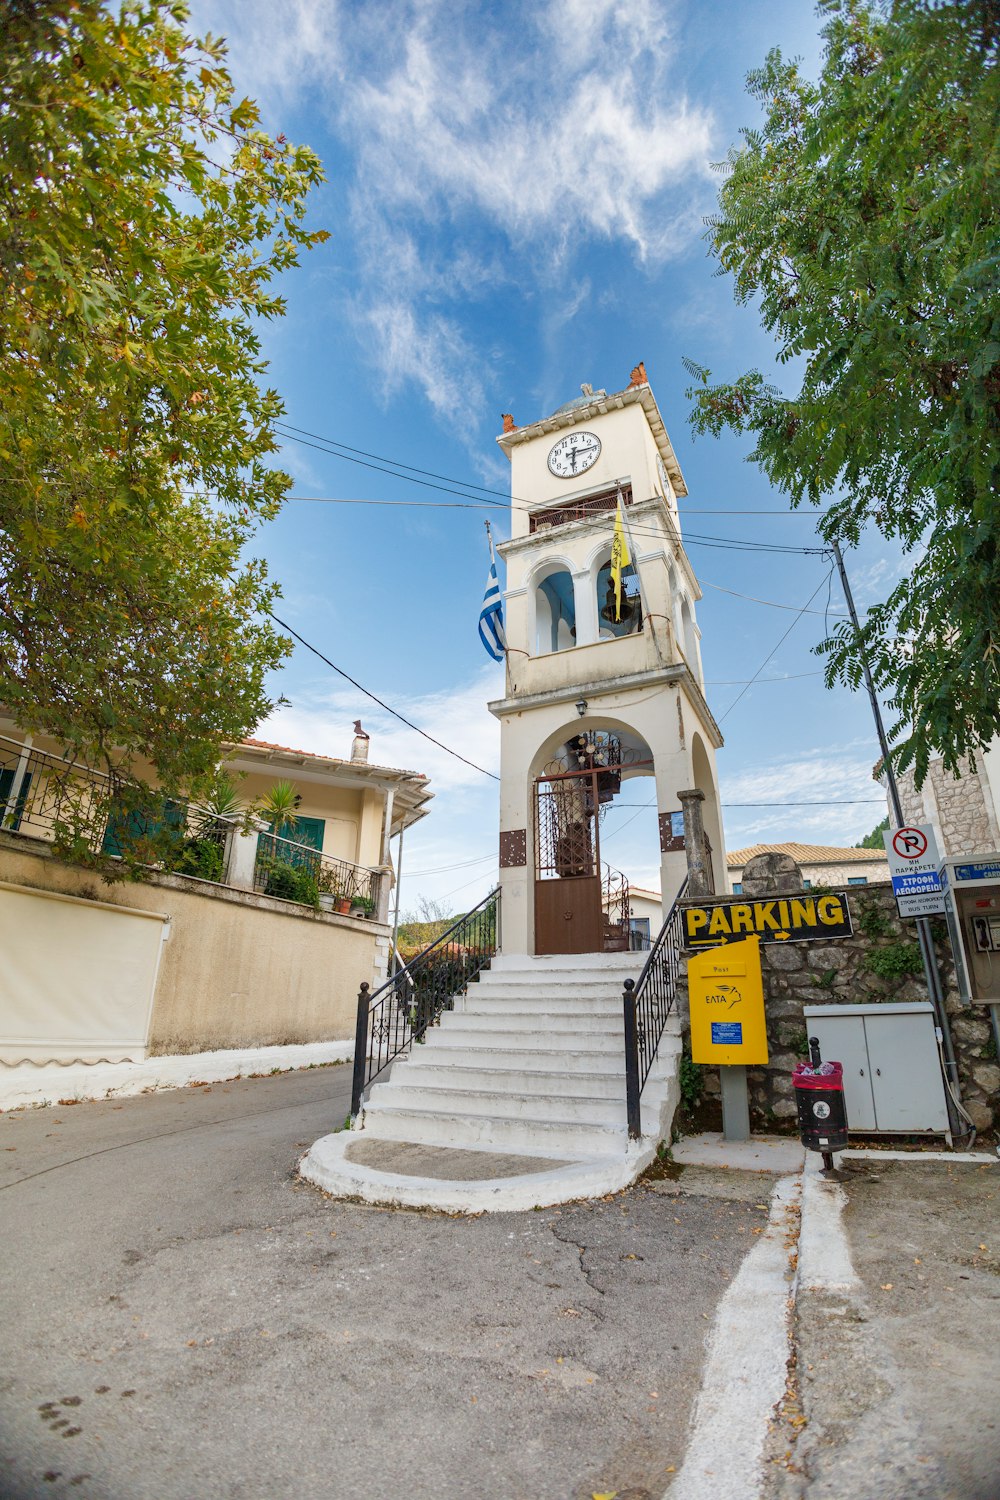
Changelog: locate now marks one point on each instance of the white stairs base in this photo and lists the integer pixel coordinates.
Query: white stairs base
(531, 1062)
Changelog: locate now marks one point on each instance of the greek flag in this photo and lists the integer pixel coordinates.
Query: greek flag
(491, 617)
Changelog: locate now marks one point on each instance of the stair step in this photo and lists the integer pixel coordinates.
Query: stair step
(562, 1139)
(526, 1041)
(538, 1022)
(489, 1054)
(579, 1108)
(515, 1081)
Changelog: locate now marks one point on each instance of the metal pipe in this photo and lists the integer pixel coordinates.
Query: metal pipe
(928, 957)
(633, 1108)
(394, 955)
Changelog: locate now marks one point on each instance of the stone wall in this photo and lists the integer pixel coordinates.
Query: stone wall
(828, 973)
(961, 809)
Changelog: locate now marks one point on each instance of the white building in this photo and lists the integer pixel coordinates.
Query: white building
(593, 700)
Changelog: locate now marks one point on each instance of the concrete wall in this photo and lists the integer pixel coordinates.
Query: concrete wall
(239, 969)
(831, 973)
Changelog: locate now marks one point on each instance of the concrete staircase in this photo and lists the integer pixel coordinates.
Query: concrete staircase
(530, 1062)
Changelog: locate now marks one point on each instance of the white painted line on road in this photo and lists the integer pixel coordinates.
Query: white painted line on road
(824, 1254)
(981, 1158)
(746, 1366)
(28, 1083)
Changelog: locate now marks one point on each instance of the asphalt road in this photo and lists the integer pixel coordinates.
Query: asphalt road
(180, 1317)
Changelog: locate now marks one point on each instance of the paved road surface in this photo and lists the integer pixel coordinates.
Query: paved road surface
(180, 1319)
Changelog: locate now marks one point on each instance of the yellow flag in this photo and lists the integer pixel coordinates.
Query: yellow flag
(620, 559)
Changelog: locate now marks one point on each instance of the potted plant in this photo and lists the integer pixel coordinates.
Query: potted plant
(362, 906)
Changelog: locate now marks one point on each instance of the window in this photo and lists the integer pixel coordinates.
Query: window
(857, 880)
(638, 934)
(168, 819)
(807, 885)
(17, 811)
(737, 888)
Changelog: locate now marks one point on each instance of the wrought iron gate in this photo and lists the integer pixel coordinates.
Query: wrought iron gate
(580, 906)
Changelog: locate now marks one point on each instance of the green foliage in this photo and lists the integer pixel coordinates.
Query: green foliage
(861, 218)
(142, 219)
(872, 921)
(692, 1081)
(201, 857)
(291, 883)
(894, 961)
(874, 840)
(989, 1049)
(827, 979)
(279, 806)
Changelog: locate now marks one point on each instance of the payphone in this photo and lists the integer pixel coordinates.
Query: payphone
(972, 907)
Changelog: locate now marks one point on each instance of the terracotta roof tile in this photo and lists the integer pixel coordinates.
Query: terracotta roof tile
(806, 854)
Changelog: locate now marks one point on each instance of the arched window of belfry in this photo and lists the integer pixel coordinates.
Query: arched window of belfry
(555, 612)
(630, 610)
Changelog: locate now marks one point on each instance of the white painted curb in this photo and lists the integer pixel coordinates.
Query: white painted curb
(746, 1367)
(326, 1165)
(51, 1082)
(824, 1253)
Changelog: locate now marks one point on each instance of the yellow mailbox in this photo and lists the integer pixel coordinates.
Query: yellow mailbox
(726, 997)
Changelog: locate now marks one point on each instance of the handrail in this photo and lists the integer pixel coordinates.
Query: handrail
(647, 1003)
(402, 1009)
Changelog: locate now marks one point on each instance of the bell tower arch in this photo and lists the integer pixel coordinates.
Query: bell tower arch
(598, 689)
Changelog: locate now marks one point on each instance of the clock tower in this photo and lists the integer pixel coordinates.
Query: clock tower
(603, 674)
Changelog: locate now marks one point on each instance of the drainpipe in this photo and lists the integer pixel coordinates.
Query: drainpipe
(394, 955)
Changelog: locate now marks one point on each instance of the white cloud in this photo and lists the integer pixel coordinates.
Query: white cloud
(276, 51)
(839, 777)
(552, 126)
(323, 724)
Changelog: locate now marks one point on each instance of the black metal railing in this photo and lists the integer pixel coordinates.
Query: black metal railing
(298, 872)
(647, 1004)
(48, 797)
(401, 1010)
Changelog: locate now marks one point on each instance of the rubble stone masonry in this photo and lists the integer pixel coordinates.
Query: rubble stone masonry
(831, 972)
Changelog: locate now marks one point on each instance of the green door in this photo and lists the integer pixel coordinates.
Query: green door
(142, 825)
(17, 811)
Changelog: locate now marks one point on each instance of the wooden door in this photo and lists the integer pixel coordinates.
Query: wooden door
(568, 916)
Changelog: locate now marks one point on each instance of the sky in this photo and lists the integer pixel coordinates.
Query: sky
(516, 197)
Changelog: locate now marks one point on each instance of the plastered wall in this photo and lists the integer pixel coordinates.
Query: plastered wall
(238, 969)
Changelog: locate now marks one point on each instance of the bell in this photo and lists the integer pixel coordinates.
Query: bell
(627, 609)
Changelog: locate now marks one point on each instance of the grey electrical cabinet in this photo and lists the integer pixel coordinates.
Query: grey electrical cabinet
(892, 1071)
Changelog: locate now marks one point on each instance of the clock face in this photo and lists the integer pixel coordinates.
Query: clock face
(574, 454)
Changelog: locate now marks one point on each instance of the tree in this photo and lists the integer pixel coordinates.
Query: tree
(143, 216)
(862, 217)
(873, 840)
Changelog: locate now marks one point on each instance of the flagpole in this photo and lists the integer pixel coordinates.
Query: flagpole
(635, 564)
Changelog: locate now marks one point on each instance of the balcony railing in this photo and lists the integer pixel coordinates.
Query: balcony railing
(298, 872)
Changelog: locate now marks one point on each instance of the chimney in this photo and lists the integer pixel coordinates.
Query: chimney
(359, 746)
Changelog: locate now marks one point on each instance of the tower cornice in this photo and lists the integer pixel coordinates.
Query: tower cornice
(601, 404)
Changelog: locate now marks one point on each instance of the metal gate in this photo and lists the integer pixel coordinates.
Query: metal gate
(580, 907)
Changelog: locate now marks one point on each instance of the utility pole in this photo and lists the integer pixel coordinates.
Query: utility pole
(931, 975)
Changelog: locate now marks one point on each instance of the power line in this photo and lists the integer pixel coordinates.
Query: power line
(449, 486)
(767, 658)
(381, 703)
(461, 485)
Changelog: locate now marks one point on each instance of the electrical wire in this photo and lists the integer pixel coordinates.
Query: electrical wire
(463, 486)
(805, 609)
(381, 703)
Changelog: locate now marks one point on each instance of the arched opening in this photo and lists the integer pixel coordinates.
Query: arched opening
(555, 612)
(594, 891)
(689, 638)
(629, 609)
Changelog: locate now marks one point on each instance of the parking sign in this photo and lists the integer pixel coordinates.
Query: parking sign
(914, 865)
